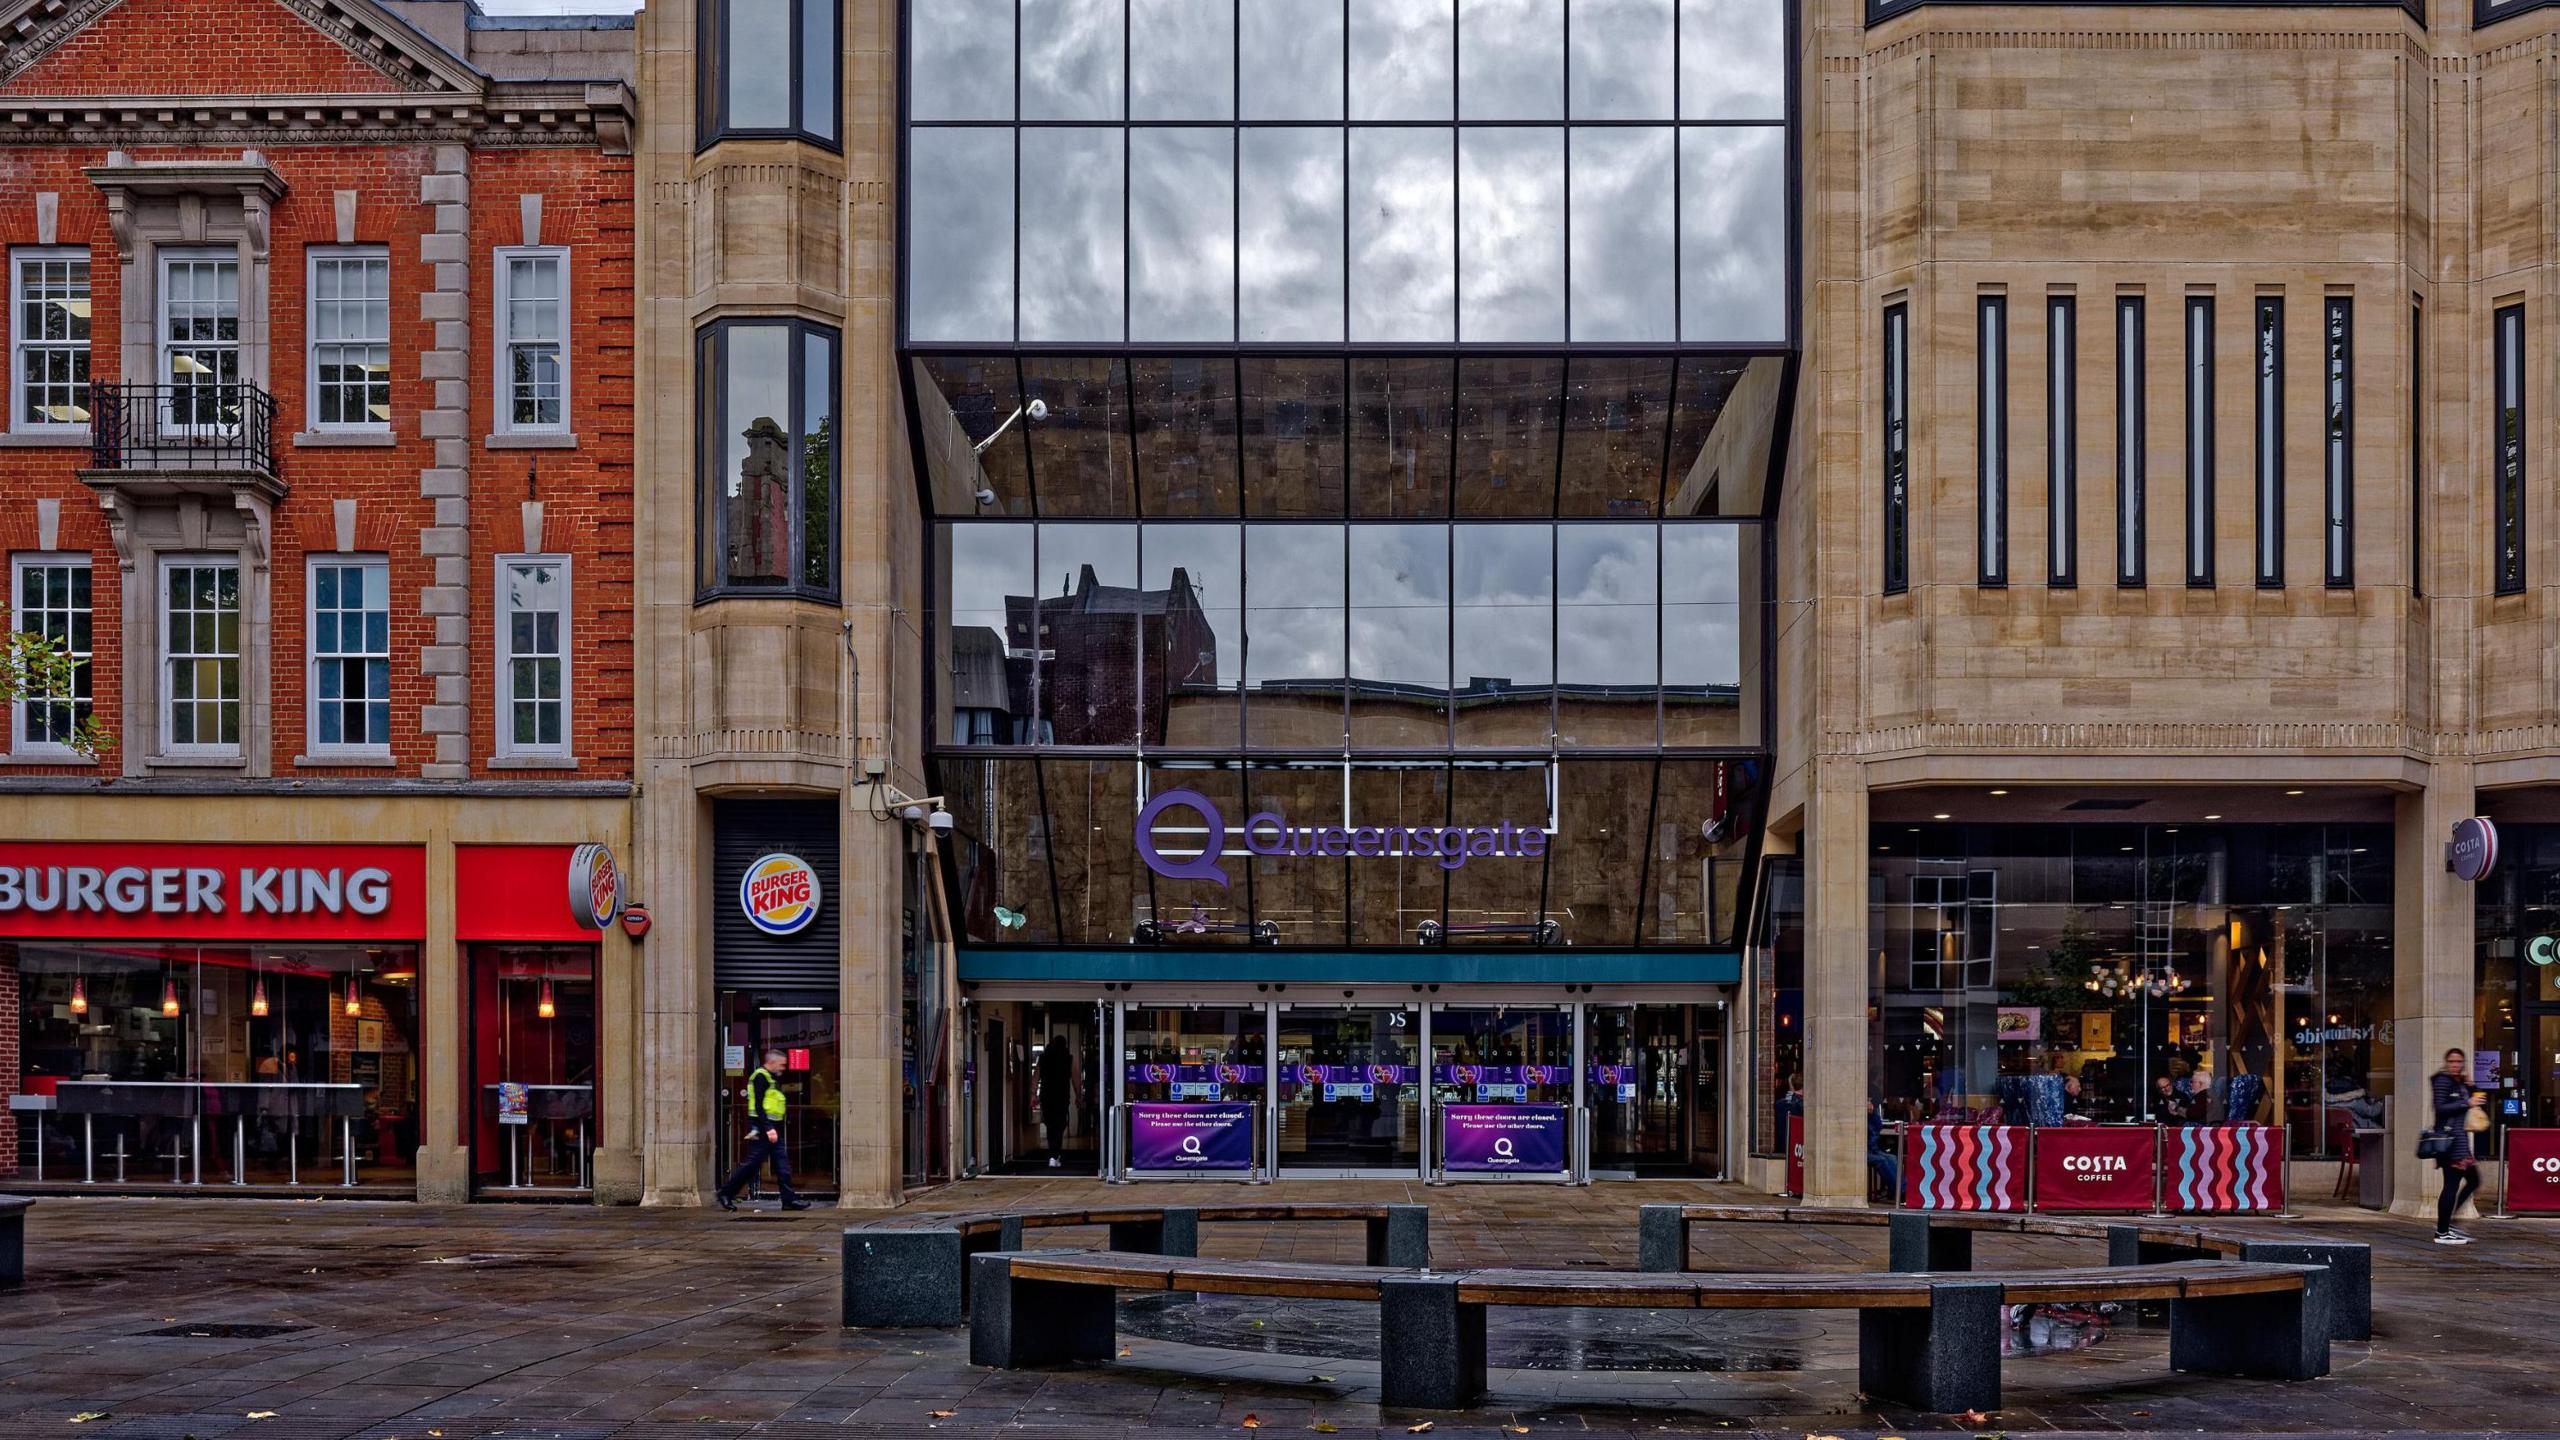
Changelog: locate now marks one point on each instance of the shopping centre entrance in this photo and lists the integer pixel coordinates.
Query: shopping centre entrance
(1235, 1083)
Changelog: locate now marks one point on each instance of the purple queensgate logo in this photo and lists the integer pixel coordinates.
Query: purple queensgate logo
(1268, 834)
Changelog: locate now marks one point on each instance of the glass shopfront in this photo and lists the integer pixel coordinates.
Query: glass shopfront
(533, 1067)
(2205, 974)
(2516, 1055)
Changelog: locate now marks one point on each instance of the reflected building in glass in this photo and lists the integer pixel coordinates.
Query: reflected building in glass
(1347, 433)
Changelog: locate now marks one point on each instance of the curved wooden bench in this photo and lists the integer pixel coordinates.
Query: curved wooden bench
(912, 1270)
(1927, 1340)
(13, 1238)
(1942, 1240)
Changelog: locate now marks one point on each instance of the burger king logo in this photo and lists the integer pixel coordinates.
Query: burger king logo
(595, 887)
(780, 894)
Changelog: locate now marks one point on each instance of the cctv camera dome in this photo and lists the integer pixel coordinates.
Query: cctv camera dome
(940, 820)
(912, 813)
(1037, 410)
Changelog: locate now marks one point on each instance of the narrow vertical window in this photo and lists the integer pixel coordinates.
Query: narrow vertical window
(1991, 436)
(533, 665)
(2129, 423)
(2509, 561)
(2417, 447)
(200, 656)
(1897, 451)
(51, 596)
(350, 340)
(350, 656)
(768, 70)
(2200, 441)
(767, 407)
(533, 330)
(2062, 442)
(2268, 366)
(2337, 440)
(49, 364)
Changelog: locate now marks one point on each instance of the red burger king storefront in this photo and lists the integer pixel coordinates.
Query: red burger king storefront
(317, 1008)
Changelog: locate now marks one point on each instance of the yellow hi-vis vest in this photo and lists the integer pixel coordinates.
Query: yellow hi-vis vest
(771, 1099)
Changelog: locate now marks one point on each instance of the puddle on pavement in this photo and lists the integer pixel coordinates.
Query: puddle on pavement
(222, 1332)
(2055, 1329)
(1515, 1339)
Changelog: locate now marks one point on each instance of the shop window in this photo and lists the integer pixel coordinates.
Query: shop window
(2131, 389)
(2200, 441)
(533, 656)
(2507, 565)
(2062, 441)
(350, 695)
(1991, 437)
(533, 340)
(49, 342)
(769, 458)
(350, 381)
(316, 1049)
(2337, 442)
(50, 595)
(533, 1064)
(200, 654)
(1897, 449)
(1777, 1002)
(768, 71)
(2267, 369)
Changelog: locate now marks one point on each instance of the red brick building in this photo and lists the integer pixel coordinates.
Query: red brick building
(318, 452)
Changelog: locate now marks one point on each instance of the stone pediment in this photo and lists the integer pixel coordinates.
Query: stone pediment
(132, 48)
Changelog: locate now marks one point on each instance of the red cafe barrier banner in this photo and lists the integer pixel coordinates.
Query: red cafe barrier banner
(2533, 1172)
(2220, 1169)
(2096, 1167)
(1964, 1167)
(1795, 1156)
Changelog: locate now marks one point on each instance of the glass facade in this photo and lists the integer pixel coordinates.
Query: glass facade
(2134, 974)
(2516, 1052)
(1365, 171)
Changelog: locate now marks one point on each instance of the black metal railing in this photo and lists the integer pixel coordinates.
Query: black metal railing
(182, 427)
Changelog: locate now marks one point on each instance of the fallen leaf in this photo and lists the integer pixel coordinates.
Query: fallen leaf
(1973, 1417)
(262, 1414)
(85, 1416)
(1124, 1352)
(1325, 1427)
(1821, 1437)
(1321, 1379)
(1421, 1429)
(941, 1414)
(1253, 1422)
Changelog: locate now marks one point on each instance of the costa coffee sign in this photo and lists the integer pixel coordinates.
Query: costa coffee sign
(212, 892)
(2533, 1172)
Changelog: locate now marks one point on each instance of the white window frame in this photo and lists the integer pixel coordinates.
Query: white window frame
(377, 566)
(313, 258)
(502, 333)
(169, 564)
(507, 747)
(19, 260)
(19, 564)
(163, 349)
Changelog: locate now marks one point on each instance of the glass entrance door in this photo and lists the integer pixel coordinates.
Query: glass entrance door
(1192, 1086)
(805, 1027)
(1350, 1093)
(1653, 1079)
(1502, 1089)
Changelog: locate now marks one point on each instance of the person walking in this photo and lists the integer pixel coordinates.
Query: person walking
(2451, 1093)
(765, 1109)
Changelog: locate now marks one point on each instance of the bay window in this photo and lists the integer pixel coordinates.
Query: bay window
(768, 458)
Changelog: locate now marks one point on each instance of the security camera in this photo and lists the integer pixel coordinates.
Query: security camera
(986, 496)
(912, 814)
(1037, 409)
(940, 820)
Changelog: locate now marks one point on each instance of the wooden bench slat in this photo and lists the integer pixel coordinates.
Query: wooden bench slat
(1597, 1289)
(1083, 1267)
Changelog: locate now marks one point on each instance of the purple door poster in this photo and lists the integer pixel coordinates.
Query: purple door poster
(1523, 1139)
(1190, 1137)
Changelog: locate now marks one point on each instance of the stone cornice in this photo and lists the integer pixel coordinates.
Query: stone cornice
(2134, 738)
(529, 113)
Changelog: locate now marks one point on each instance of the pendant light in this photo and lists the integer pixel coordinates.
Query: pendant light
(544, 1007)
(258, 999)
(355, 1004)
(169, 998)
(79, 995)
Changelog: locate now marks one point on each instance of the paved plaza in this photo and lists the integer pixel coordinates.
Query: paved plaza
(174, 1318)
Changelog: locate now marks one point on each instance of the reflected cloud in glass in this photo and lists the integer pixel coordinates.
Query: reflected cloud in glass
(1400, 53)
(1292, 241)
(1182, 60)
(1071, 53)
(1622, 235)
(1182, 242)
(960, 58)
(1733, 63)
(1294, 635)
(1510, 60)
(1622, 59)
(960, 275)
(1403, 236)
(1293, 59)
(1511, 243)
(1071, 242)
(1733, 233)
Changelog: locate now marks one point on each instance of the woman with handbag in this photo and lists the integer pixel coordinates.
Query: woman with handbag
(2449, 1144)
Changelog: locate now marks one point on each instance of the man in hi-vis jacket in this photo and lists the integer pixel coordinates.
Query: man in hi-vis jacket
(765, 1109)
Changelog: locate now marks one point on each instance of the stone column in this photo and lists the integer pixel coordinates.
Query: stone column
(446, 482)
(2432, 969)
(1835, 984)
(671, 838)
(444, 1157)
(871, 1153)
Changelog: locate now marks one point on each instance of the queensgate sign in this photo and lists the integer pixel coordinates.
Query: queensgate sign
(1268, 833)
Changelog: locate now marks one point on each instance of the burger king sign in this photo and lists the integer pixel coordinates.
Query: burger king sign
(780, 894)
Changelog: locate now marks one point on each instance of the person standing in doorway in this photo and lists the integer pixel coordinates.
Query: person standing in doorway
(2450, 1090)
(765, 1109)
(1057, 1092)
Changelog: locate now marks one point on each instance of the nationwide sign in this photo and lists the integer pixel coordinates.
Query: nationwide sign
(1268, 833)
(213, 892)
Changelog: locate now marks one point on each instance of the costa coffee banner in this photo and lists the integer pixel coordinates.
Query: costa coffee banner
(2096, 1167)
(2219, 1169)
(2533, 1172)
(212, 892)
(1964, 1167)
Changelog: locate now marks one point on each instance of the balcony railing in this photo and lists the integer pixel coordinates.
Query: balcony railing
(198, 427)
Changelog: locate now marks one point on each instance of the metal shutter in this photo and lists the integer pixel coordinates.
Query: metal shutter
(742, 956)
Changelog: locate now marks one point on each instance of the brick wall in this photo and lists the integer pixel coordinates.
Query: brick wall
(130, 50)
